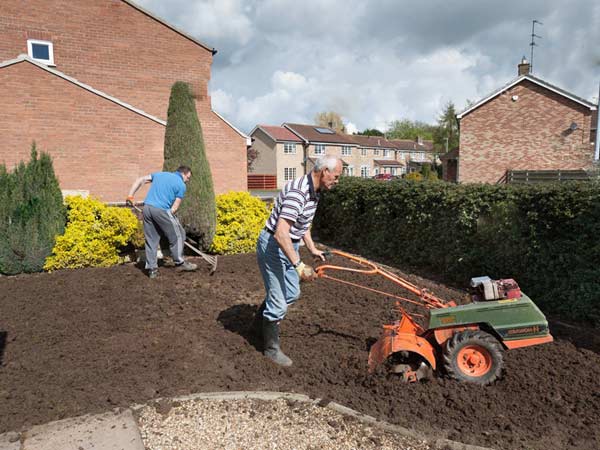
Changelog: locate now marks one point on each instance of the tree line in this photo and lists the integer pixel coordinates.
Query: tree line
(444, 133)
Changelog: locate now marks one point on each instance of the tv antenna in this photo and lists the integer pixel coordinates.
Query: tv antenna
(532, 43)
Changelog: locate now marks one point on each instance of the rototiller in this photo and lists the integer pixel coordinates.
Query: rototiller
(466, 341)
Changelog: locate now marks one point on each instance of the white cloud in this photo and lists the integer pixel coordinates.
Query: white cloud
(374, 62)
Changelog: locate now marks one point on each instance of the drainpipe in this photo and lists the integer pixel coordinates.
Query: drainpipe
(597, 143)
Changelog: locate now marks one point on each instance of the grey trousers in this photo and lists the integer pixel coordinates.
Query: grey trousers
(159, 222)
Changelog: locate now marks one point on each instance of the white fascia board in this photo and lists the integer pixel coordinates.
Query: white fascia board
(333, 143)
(245, 136)
(26, 58)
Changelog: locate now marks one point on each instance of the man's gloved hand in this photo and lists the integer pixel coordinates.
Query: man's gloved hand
(306, 273)
(129, 201)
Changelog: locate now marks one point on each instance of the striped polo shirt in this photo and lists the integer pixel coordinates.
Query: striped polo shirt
(297, 202)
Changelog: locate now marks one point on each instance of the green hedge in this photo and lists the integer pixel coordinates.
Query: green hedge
(547, 237)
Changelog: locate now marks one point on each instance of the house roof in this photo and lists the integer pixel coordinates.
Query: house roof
(408, 144)
(278, 134)
(168, 25)
(534, 80)
(310, 133)
(371, 141)
(388, 162)
(27, 59)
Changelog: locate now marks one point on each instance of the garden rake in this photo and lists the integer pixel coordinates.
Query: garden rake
(210, 259)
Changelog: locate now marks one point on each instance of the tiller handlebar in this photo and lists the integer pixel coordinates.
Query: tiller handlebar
(405, 334)
(427, 299)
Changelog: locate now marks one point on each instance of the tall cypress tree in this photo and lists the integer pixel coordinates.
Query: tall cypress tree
(184, 145)
(32, 214)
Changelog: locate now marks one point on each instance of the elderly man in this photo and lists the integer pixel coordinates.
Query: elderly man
(277, 249)
(161, 204)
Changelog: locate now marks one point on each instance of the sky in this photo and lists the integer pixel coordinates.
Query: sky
(376, 61)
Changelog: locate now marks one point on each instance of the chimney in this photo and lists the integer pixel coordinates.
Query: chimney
(524, 67)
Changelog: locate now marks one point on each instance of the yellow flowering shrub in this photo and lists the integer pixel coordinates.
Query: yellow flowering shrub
(415, 176)
(93, 236)
(240, 218)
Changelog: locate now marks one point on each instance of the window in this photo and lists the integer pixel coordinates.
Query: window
(375, 152)
(319, 149)
(289, 149)
(41, 51)
(403, 155)
(364, 171)
(289, 173)
(363, 152)
(324, 130)
(346, 150)
(386, 153)
(349, 170)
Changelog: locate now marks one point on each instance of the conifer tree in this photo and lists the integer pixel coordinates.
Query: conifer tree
(184, 145)
(32, 214)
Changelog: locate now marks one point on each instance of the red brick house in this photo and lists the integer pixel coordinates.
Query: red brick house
(89, 81)
(528, 124)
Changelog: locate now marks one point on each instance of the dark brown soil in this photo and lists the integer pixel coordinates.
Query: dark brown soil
(85, 341)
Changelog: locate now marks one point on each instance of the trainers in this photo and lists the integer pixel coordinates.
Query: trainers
(186, 267)
(152, 273)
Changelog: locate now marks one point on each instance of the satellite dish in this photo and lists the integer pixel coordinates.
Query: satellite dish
(573, 126)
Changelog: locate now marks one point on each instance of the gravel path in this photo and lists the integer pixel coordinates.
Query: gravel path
(260, 424)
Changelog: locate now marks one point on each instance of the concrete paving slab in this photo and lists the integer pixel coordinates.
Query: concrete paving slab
(10, 441)
(116, 430)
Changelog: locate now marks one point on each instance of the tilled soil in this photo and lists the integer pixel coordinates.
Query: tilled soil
(85, 341)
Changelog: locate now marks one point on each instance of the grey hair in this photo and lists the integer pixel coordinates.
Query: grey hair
(326, 161)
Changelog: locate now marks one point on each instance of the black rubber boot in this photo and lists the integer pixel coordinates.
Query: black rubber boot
(271, 339)
(258, 318)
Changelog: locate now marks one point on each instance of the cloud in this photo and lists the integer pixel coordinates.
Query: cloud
(374, 62)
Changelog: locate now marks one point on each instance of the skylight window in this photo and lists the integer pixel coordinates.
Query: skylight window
(324, 130)
(42, 51)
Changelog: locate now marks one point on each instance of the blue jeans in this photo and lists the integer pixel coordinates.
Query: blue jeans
(281, 280)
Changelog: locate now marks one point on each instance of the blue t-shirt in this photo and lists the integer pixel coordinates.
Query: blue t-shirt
(166, 187)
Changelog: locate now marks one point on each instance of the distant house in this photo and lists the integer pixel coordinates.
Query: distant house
(290, 150)
(527, 124)
(90, 80)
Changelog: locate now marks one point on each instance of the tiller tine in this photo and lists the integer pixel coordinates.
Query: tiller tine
(402, 337)
(411, 374)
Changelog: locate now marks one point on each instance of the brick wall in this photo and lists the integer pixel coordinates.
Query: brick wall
(531, 132)
(125, 53)
(96, 145)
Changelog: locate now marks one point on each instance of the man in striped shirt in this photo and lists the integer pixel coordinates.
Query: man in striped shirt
(277, 249)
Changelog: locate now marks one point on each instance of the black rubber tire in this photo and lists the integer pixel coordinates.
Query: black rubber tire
(484, 341)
